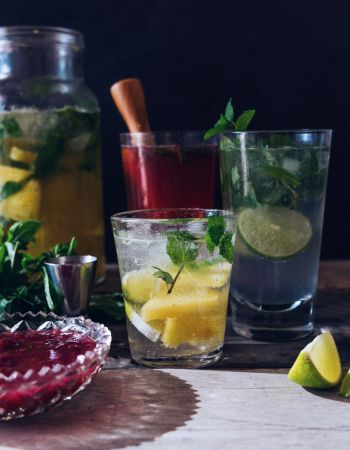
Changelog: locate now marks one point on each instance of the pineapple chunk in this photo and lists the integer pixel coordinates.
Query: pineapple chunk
(138, 285)
(194, 330)
(25, 204)
(19, 155)
(198, 301)
(211, 276)
(8, 173)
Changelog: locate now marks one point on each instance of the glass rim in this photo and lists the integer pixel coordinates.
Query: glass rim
(136, 215)
(163, 133)
(283, 131)
(40, 35)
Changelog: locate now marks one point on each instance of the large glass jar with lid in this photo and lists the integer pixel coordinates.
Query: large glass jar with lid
(50, 168)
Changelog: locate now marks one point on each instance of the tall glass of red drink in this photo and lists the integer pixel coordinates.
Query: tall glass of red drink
(169, 169)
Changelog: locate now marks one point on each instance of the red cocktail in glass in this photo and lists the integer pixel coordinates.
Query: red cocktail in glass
(169, 170)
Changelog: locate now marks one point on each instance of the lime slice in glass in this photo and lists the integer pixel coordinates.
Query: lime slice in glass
(138, 285)
(151, 333)
(318, 364)
(274, 232)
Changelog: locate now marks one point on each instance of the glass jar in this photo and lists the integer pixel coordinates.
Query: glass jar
(50, 164)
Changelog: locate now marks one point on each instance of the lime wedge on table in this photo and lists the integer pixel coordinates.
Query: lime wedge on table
(151, 333)
(345, 385)
(274, 232)
(318, 364)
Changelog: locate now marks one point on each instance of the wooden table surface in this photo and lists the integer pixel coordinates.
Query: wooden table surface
(244, 402)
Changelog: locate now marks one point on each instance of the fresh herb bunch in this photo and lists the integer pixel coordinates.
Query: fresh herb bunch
(227, 121)
(24, 283)
(183, 248)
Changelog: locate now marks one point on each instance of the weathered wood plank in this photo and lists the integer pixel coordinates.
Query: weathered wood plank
(245, 410)
(188, 410)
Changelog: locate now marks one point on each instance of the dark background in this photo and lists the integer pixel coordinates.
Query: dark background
(288, 59)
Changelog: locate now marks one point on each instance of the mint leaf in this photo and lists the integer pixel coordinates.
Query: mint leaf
(48, 297)
(250, 200)
(226, 123)
(23, 232)
(216, 236)
(72, 246)
(283, 175)
(226, 247)
(235, 177)
(9, 188)
(216, 228)
(211, 133)
(181, 247)
(48, 154)
(2, 256)
(221, 125)
(210, 243)
(229, 114)
(11, 251)
(163, 275)
(11, 127)
(244, 120)
(107, 307)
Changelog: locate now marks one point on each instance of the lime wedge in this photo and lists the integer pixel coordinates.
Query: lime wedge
(143, 327)
(345, 386)
(274, 232)
(318, 364)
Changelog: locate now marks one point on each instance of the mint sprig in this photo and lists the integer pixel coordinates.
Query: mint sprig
(165, 276)
(24, 285)
(182, 249)
(216, 236)
(226, 121)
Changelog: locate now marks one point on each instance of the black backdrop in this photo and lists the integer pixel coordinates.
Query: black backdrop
(288, 59)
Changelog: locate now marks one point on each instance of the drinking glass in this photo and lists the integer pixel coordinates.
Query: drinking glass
(276, 182)
(169, 169)
(175, 283)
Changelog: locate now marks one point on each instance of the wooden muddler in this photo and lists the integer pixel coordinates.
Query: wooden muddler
(129, 97)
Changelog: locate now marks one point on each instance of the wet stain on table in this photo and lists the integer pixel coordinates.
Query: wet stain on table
(119, 408)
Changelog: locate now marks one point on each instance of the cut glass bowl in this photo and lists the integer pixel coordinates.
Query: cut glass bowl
(24, 394)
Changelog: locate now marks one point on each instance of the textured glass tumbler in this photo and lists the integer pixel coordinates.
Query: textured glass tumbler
(175, 284)
(276, 182)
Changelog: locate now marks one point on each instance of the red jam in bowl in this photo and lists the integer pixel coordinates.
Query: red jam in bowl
(32, 349)
(40, 368)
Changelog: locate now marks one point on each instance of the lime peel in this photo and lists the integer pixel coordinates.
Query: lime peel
(345, 386)
(143, 327)
(318, 364)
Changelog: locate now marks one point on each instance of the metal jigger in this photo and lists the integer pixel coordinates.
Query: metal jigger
(72, 277)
